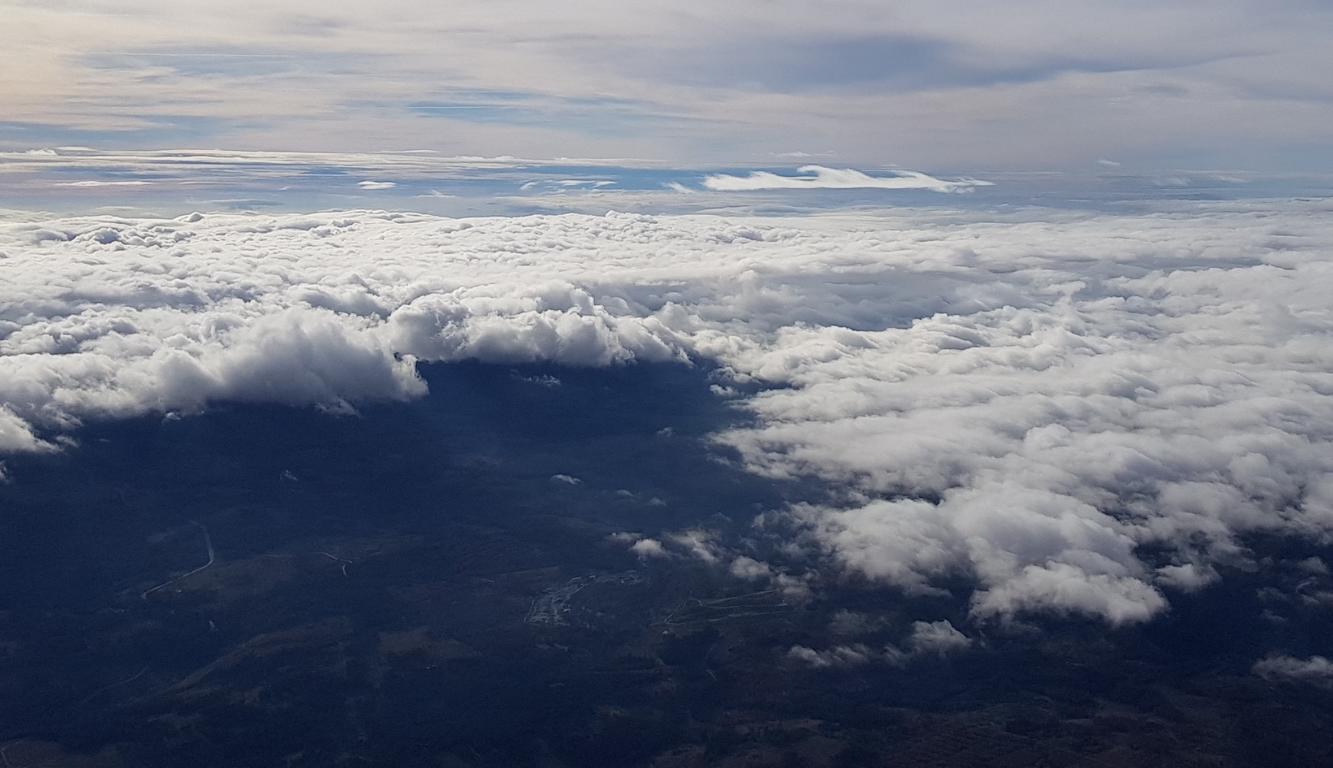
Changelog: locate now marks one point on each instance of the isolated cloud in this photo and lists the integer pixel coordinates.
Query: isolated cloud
(819, 177)
(1069, 412)
(837, 656)
(939, 638)
(1315, 669)
(649, 548)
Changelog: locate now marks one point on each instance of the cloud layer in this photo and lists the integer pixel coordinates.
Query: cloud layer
(1072, 413)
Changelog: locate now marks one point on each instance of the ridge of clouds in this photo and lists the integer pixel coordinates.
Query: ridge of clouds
(1028, 402)
(819, 177)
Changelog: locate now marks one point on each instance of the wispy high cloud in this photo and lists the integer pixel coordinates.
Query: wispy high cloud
(102, 183)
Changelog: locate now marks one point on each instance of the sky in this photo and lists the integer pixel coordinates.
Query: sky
(938, 86)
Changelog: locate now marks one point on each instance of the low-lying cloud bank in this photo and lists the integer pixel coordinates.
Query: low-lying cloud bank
(1029, 402)
(819, 177)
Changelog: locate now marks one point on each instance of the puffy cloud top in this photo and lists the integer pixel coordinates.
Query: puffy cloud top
(1028, 401)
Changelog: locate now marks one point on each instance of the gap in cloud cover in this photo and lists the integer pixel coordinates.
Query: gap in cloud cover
(419, 537)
